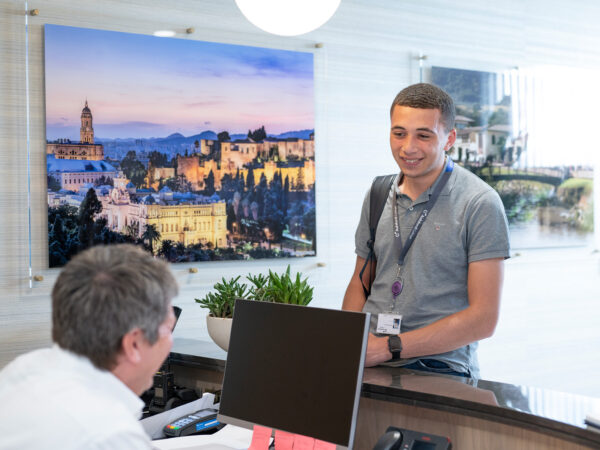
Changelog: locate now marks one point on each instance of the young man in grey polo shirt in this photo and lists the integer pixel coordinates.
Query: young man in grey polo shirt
(435, 287)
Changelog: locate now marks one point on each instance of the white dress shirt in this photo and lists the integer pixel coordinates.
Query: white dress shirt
(54, 399)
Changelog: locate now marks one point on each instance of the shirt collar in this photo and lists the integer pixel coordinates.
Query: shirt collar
(104, 379)
(424, 197)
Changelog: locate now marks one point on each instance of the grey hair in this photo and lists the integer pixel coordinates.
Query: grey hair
(427, 96)
(105, 292)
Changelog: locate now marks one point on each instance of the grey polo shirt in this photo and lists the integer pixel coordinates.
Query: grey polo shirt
(467, 224)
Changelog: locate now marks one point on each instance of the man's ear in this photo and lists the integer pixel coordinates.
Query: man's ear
(451, 140)
(131, 345)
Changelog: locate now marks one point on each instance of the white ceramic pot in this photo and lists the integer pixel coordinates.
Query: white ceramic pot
(219, 330)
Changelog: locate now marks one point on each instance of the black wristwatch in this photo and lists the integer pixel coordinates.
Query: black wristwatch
(395, 346)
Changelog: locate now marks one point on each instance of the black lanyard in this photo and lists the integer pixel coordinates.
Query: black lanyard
(421, 220)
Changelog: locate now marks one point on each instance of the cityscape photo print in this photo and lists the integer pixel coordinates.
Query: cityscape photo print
(197, 151)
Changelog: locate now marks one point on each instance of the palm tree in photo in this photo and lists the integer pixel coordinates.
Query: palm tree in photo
(152, 235)
(180, 251)
(131, 230)
(166, 248)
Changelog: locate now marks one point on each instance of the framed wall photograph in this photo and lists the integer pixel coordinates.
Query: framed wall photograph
(197, 151)
(502, 133)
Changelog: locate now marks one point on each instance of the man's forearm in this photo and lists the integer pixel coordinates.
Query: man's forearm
(474, 323)
(447, 334)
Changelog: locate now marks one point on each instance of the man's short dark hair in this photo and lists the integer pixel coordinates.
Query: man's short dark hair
(105, 292)
(427, 96)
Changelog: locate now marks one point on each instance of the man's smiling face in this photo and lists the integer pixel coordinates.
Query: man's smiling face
(418, 139)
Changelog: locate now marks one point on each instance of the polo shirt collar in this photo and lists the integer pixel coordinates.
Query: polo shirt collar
(424, 197)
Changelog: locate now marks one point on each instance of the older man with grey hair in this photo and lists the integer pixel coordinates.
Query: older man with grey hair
(111, 324)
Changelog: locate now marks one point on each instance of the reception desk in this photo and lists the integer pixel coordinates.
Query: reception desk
(474, 414)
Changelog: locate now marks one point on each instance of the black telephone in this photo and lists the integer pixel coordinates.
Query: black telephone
(400, 439)
(202, 421)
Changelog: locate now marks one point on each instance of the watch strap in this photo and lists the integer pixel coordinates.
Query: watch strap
(395, 346)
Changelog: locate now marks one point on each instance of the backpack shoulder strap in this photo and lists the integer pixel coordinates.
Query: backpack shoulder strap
(379, 194)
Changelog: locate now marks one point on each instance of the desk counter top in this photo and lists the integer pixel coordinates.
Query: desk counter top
(543, 410)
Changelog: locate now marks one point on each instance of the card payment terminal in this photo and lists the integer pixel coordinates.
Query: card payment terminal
(202, 421)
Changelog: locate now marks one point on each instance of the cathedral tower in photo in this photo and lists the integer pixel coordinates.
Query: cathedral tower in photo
(86, 132)
(85, 148)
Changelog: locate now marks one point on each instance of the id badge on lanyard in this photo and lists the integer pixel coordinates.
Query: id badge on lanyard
(389, 323)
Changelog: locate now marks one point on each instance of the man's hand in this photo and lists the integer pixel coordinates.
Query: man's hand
(377, 350)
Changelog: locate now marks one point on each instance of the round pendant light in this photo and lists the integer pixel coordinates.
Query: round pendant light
(288, 17)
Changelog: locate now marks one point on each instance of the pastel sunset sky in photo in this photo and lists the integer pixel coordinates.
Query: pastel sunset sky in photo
(140, 86)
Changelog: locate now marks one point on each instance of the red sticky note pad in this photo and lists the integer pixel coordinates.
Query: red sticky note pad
(322, 445)
(283, 440)
(261, 438)
(303, 442)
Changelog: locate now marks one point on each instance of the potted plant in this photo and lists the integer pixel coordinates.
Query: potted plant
(285, 289)
(267, 288)
(220, 309)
